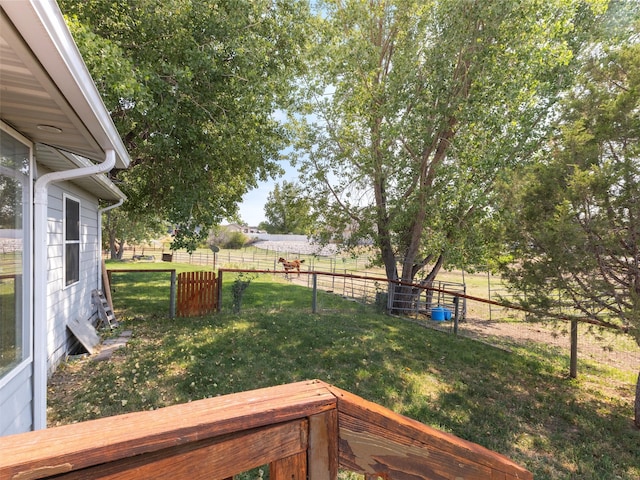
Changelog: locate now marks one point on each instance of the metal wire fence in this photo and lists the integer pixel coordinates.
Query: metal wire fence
(468, 312)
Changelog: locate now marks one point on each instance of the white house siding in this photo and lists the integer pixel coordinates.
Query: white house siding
(17, 398)
(74, 301)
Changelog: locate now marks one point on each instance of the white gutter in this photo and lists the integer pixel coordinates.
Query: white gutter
(40, 247)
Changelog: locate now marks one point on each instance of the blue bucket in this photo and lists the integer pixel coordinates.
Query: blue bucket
(437, 314)
(440, 314)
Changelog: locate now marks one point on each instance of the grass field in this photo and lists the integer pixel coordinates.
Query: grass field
(519, 403)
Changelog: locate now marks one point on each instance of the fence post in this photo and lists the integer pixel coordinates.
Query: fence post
(333, 277)
(172, 296)
(314, 301)
(456, 302)
(353, 288)
(489, 291)
(344, 287)
(573, 365)
(219, 302)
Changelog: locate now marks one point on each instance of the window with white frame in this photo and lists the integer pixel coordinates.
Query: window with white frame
(15, 219)
(71, 240)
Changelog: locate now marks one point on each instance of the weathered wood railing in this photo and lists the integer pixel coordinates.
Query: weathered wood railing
(302, 430)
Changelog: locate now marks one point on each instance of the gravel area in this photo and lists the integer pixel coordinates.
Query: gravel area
(301, 248)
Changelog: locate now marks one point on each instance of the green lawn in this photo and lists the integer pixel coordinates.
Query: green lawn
(146, 293)
(519, 404)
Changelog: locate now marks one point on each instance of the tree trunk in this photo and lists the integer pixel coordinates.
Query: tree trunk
(112, 248)
(637, 404)
(120, 249)
(112, 237)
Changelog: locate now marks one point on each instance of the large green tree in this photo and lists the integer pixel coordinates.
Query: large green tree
(193, 88)
(415, 106)
(573, 220)
(122, 226)
(288, 210)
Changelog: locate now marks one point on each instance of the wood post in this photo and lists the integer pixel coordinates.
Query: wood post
(172, 296)
(106, 284)
(314, 301)
(219, 291)
(573, 367)
(289, 468)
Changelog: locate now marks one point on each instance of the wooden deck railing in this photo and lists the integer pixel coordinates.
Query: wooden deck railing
(305, 430)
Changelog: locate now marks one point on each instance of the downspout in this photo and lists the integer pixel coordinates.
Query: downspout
(40, 270)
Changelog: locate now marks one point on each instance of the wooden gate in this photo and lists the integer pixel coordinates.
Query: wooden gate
(197, 293)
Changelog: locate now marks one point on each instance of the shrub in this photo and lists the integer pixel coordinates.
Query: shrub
(235, 240)
(225, 238)
(239, 286)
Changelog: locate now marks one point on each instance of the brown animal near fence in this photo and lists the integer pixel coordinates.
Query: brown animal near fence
(290, 265)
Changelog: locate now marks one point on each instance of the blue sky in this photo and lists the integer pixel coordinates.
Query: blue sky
(252, 207)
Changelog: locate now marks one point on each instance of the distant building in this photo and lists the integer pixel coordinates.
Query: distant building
(234, 227)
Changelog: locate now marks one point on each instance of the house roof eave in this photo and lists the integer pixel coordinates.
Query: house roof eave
(41, 68)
